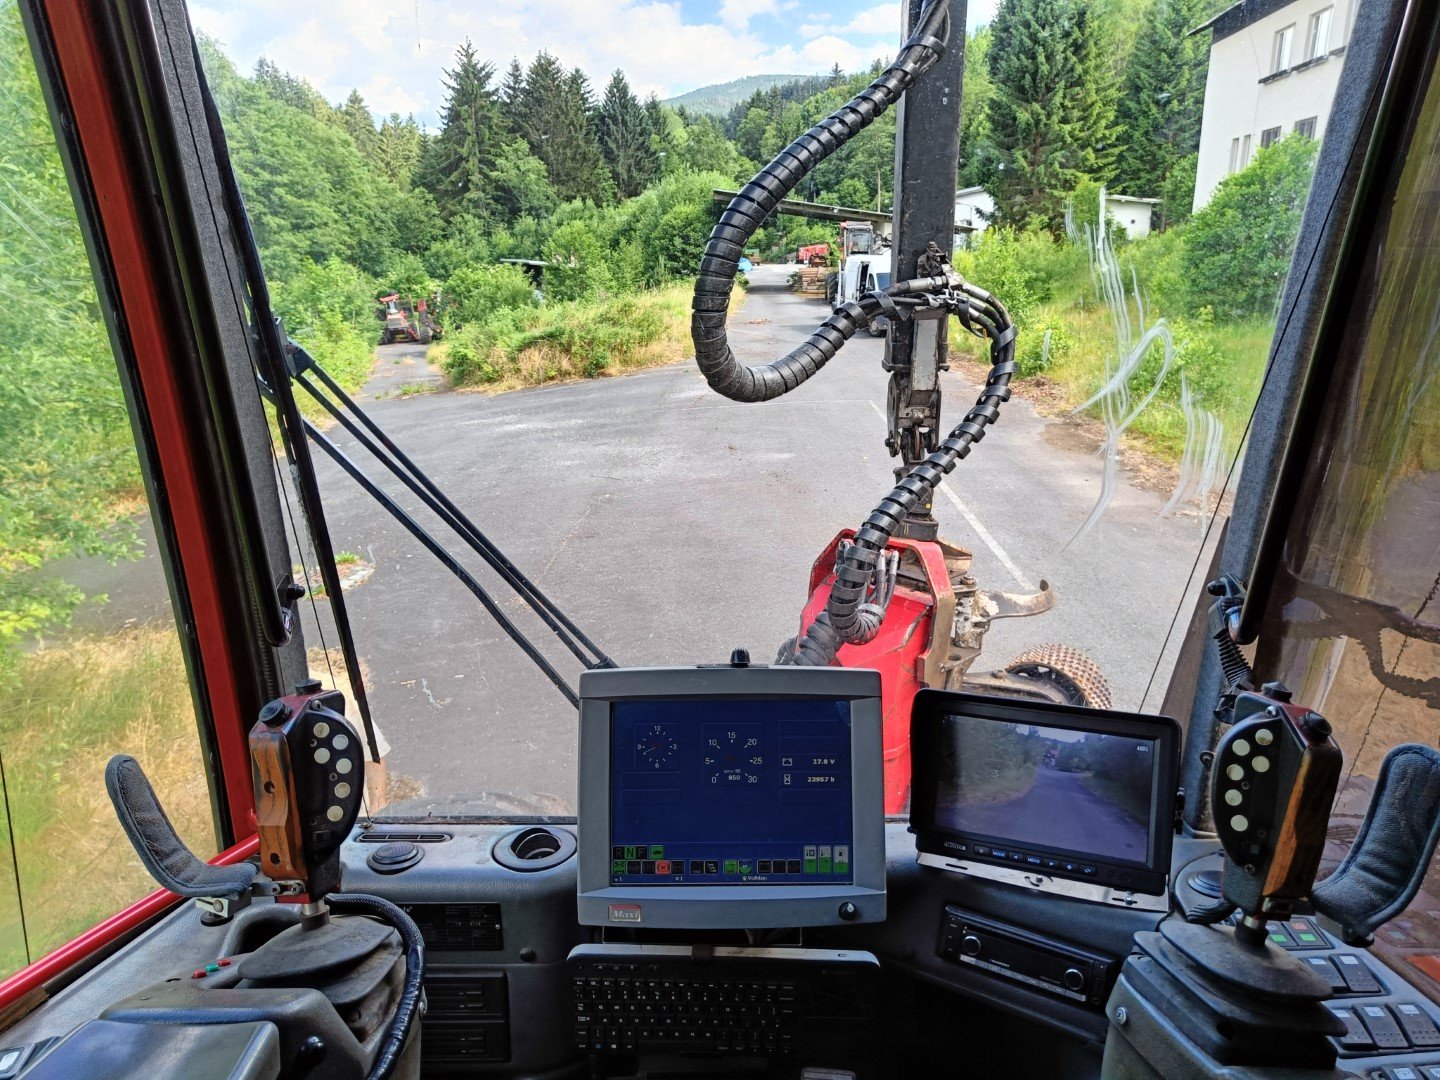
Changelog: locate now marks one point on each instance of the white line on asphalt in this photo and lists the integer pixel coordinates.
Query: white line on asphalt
(974, 522)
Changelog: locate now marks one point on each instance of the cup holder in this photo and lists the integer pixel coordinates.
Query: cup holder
(538, 847)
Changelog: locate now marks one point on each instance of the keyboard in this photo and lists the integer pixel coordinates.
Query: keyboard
(672, 999)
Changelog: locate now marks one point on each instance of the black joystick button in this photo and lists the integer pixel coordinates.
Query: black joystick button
(274, 712)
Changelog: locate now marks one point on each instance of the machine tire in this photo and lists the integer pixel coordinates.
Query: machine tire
(425, 335)
(1067, 669)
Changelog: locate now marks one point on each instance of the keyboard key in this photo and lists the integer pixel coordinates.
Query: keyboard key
(1418, 1026)
(1358, 979)
(1356, 1037)
(1382, 1027)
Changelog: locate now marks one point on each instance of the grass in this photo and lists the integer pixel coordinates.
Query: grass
(1223, 363)
(581, 339)
(68, 709)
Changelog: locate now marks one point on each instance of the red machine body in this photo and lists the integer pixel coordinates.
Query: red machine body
(908, 651)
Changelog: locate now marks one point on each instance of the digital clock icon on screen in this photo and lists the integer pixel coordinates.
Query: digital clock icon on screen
(733, 757)
(656, 748)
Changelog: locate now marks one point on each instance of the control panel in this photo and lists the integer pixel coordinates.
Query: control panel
(1039, 962)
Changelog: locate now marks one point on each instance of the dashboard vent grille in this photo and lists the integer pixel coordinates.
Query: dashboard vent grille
(466, 1022)
(388, 836)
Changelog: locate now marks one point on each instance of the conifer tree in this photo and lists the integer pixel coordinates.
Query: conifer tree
(624, 131)
(1163, 95)
(471, 133)
(1051, 117)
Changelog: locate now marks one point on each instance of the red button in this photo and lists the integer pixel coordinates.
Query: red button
(224, 963)
(663, 866)
(199, 974)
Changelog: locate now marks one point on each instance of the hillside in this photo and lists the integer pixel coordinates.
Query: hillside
(720, 98)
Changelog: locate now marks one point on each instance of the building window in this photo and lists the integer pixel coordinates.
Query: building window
(1269, 136)
(1280, 52)
(1234, 154)
(1317, 39)
(1306, 127)
(1245, 151)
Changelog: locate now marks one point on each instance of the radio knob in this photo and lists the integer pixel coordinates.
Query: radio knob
(1074, 980)
(970, 945)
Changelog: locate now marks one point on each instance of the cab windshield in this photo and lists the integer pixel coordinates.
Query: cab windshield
(487, 231)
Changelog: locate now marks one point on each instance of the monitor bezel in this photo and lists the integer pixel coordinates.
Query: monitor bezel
(730, 907)
(1111, 875)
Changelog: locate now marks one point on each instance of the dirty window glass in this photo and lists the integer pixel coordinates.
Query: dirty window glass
(490, 240)
(90, 662)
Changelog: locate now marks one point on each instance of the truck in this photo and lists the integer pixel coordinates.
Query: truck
(406, 319)
(860, 274)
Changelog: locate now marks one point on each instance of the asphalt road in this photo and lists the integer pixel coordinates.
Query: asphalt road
(1059, 811)
(674, 525)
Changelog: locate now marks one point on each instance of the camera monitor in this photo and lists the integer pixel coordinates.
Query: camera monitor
(1070, 800)
(730, 798)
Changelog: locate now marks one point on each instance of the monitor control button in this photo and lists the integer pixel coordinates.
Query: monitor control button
(849, 912)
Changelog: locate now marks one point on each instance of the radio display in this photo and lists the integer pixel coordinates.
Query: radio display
(1052, 791)
(731, 793)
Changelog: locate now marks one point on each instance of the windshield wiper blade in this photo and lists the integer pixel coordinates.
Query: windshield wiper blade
(430, 493)
(446, 559)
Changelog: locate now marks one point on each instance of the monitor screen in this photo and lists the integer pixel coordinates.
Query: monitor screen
(730, 797)
(713, 793)
(1083, 791)
(1045, 791)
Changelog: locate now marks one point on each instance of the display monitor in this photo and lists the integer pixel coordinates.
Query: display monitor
(730, 797)
(1045, 794)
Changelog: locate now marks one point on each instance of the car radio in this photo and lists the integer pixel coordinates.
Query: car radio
(1040, 962)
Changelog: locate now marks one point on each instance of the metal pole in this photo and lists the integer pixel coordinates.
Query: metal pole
(927, 150)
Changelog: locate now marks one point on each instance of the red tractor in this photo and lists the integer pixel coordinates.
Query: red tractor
(406, 319)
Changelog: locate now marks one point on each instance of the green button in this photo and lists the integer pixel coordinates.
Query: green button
(632, 852)
(657, 851)
(1309, 939)
(212, 968)
(825, 864)
(809, 866)
(841, 867)
(746, 867)
(617, 866)
(1279, 939)
(732, 866)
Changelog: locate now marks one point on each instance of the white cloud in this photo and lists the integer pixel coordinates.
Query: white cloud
(737, 14)
(395, 54)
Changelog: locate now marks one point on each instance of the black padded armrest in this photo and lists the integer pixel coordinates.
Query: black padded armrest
(1387, 862)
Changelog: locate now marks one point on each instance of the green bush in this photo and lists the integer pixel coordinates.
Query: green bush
(1022, 269)
(1158, 262)
(473, 293)
(1040, 347)
(331, 288)
(1238, 246)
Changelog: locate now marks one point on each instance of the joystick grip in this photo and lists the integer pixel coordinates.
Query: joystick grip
(1275, 776)
(309, 781)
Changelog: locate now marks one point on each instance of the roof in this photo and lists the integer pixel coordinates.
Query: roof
(821, 211)
(968, 191)
(1238, 16)
(1129, 198)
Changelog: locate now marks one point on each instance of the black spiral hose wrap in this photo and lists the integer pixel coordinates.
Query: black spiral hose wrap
(759, 198)
(848, 617)
(408, 1007)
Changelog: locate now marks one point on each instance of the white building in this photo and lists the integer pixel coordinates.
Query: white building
(1132, 214)
(975, 209)
(1274, 69)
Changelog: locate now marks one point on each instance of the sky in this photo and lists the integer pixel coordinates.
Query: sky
(394, 51)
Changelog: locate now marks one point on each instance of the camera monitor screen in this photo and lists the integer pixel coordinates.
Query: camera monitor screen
(731, 797)
(1045, 790)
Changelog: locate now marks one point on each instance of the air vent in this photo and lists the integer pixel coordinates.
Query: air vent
(536, 848)
(466, 1022)
(387, 836)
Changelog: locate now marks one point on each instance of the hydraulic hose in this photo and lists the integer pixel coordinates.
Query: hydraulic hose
(408, 1007)
(847, 617)
(759, 198)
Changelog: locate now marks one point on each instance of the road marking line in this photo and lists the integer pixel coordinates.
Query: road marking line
(974, 522)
